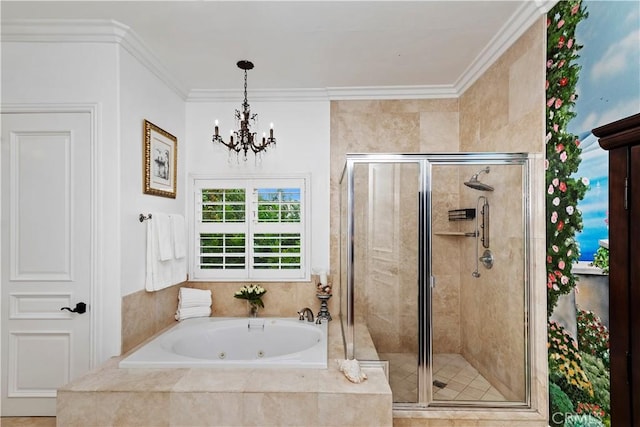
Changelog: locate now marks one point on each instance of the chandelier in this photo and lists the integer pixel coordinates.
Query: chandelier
(245, 139)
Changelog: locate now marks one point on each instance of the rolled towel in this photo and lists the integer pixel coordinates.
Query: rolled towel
(186, 313)
(190, 297)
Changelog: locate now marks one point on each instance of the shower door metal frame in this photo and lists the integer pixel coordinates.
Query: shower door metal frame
(426, 281)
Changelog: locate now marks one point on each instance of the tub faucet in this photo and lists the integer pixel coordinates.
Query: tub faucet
(306, 312)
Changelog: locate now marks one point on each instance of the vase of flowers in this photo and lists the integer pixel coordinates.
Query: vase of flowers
(253, 295)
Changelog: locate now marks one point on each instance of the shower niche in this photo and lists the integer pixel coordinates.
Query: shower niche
(436, 286)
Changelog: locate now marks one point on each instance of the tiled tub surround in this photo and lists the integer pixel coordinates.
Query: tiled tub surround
(146, 313)
(110, 396)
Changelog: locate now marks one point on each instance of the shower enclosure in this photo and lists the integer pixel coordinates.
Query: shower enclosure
(433, 284)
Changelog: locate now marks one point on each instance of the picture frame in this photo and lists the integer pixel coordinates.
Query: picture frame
(159, 161)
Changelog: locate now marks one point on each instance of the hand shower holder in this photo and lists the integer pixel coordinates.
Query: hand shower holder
(482, 236)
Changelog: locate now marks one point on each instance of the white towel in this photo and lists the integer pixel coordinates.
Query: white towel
(159, 274)
(163, 230)
(186, 313)
(179, 236)
(190, 297)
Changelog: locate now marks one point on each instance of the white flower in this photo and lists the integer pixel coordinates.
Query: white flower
(556, 201)
(585, 180)
(570, 210)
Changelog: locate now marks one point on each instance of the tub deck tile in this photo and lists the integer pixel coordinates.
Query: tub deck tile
(109, 395)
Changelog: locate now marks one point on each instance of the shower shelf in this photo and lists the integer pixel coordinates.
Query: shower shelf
(462, 214)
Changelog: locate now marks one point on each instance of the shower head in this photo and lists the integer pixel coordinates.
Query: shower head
(476, 184)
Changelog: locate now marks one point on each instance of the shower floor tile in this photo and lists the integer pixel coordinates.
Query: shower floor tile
(463, 382)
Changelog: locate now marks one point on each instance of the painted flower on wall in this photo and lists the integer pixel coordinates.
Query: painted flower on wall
(563, 148)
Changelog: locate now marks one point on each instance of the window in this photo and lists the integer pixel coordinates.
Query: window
(248, 229)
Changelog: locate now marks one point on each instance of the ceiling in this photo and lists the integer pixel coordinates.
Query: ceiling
(308, 44)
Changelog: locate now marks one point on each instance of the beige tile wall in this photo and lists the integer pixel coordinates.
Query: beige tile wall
(446, 258)
(512, 91)
(389, 126)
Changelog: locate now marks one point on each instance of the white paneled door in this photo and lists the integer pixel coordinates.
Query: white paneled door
(46, 257)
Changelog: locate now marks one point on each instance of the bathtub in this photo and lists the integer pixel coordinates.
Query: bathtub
(235, 343)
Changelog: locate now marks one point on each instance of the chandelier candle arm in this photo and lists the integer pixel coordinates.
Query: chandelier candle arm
(245, 138)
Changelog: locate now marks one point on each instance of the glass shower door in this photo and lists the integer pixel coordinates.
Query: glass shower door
(479, 316)
(434, 275)
(386, 272)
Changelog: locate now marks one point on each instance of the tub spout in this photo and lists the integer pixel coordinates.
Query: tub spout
(306, 313)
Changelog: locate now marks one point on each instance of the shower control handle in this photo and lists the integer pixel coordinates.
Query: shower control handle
(486, 259)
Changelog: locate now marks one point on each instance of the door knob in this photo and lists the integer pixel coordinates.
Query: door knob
(80, 308)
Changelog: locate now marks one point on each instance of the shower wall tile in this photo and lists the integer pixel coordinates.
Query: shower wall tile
(445, 254)
(445, 181)
(538, 208)
(420, 106)
(504, 111)
(439, 132)
(525, 70)
(446, 313)
(386, 127)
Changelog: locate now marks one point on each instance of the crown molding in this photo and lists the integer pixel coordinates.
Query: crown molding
(63, 30)
(110, 31)
(326, 94)
(545, 5)
(268, 95)
(521, 21)
(392, 92)
(89, 31)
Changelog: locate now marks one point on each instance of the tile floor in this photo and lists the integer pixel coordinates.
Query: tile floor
(454, 379)
(28, 421)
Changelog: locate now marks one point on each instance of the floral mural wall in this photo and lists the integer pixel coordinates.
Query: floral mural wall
(593, 64)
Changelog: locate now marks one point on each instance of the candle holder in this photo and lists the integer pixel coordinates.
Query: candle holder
(324, 310)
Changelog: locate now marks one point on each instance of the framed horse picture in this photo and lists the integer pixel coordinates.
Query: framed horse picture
(159, 161)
